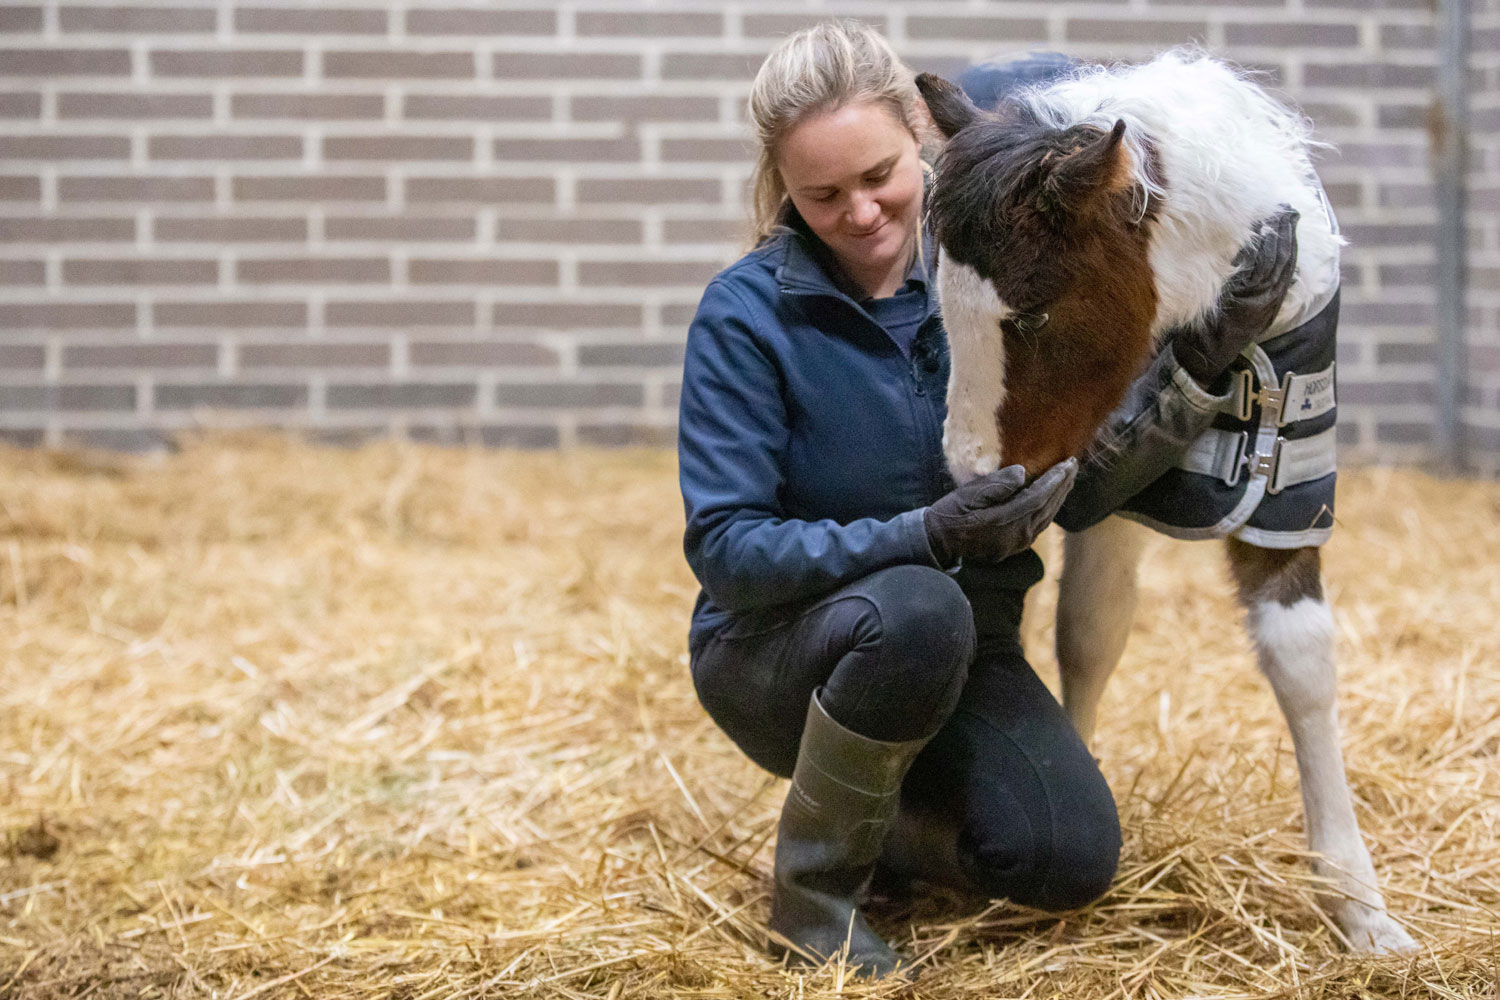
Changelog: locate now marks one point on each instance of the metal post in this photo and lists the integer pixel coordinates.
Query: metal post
(1449, 133)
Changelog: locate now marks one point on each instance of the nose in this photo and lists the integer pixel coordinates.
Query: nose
(864, 213)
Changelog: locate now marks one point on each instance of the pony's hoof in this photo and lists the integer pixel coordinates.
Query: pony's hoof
(1373, 932)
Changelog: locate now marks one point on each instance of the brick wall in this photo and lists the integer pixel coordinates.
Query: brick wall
(492, 220)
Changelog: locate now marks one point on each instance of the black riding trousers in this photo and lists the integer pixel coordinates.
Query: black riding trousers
(907, 652)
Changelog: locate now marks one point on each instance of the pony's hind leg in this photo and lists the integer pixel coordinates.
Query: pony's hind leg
(1292, 628)
(1095, 606)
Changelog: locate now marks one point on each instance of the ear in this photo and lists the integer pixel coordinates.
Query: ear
(1103, 165)
(950, 107)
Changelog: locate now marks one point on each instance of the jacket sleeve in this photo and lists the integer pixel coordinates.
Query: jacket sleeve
(1163, 413)
(732, 436)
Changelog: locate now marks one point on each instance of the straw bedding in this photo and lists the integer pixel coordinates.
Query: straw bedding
(280, 721)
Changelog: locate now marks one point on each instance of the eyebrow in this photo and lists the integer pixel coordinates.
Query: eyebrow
(889, 161)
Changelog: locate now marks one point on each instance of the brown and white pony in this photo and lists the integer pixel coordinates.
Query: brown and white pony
(1076, 224)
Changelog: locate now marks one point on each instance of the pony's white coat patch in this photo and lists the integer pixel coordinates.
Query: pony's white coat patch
(972, 312)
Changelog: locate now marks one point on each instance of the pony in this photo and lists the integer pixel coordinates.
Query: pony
(1077, 222)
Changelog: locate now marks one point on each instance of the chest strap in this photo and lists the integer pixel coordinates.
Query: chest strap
(1299, 397)
(1221, 454)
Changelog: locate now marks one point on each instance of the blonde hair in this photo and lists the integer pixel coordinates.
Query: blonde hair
(817, 70)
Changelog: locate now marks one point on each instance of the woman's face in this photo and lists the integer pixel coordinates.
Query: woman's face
(855, 177)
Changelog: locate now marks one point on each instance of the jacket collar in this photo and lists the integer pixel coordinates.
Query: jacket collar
(808, 267)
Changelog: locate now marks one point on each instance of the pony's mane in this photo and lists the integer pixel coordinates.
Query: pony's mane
(1216, 153)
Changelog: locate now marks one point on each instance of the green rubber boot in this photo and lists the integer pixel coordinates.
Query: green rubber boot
(844, 793)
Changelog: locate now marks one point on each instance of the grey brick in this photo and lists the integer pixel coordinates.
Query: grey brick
(1388, 234)
(1366, 75)
(387, 65)
(140, 271)
(1415, 275)
(647, 107)
(22, 357)
(225, 147)
(230, 229)
(321, 188)
(1294, 34)
(622, 150)
(16, 18)
(1403, 353)
(518, 436)
(566, 65)
(74, 398)
(141, 440)
(386, 313)
(311, 20)
(1387, 313)
(1383, 154)
(313, 270)
(237, 396)
(486, 271)
(14, 187)
(678, 313)
(229, 314)
(710, 65)
(626, 435)
(1156, 31)
(23, 272)
(705, 230)
(135, 189)
(480, 354)
(1403, 432)
(64, 62)
(403, 227)
(134, 105)
(18, 104)
(778, 25)
(568, 230)
(66, 147)
(570, 394)
(1370, 5)
(309, 107)
(1407, 196)
(472, 23)
(137, 19)
(481, 190)
(320, 355)
(66, 230)
(1385, 393)
(1403, 115)
(398, 147)
(615, 23)
(253, 63)
(646, 272)
(981, 29)
(740, 150)
(1332, 114)
(566, 315)
(23, 437)
(647, 190)
(402, 395)
(635, 355)
(1407, 36)
(140, 356)
(67, 316)
(473, 107)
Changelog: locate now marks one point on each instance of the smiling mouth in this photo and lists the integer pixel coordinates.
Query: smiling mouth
(870, 232)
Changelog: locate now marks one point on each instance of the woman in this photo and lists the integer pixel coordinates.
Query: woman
(859, 620)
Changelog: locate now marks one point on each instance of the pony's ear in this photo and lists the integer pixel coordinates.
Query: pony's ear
(950, 107)
(1103, 165)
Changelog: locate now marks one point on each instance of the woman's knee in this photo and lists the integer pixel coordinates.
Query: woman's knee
(924, 617)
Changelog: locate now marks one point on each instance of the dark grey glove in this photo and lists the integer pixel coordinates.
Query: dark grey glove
(1248, 304)
(995, 516)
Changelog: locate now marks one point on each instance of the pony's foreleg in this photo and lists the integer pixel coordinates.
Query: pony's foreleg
(1095, 606)
(1292, 628)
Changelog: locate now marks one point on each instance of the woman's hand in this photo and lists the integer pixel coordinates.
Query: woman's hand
(995, 516)
(1249, 303)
